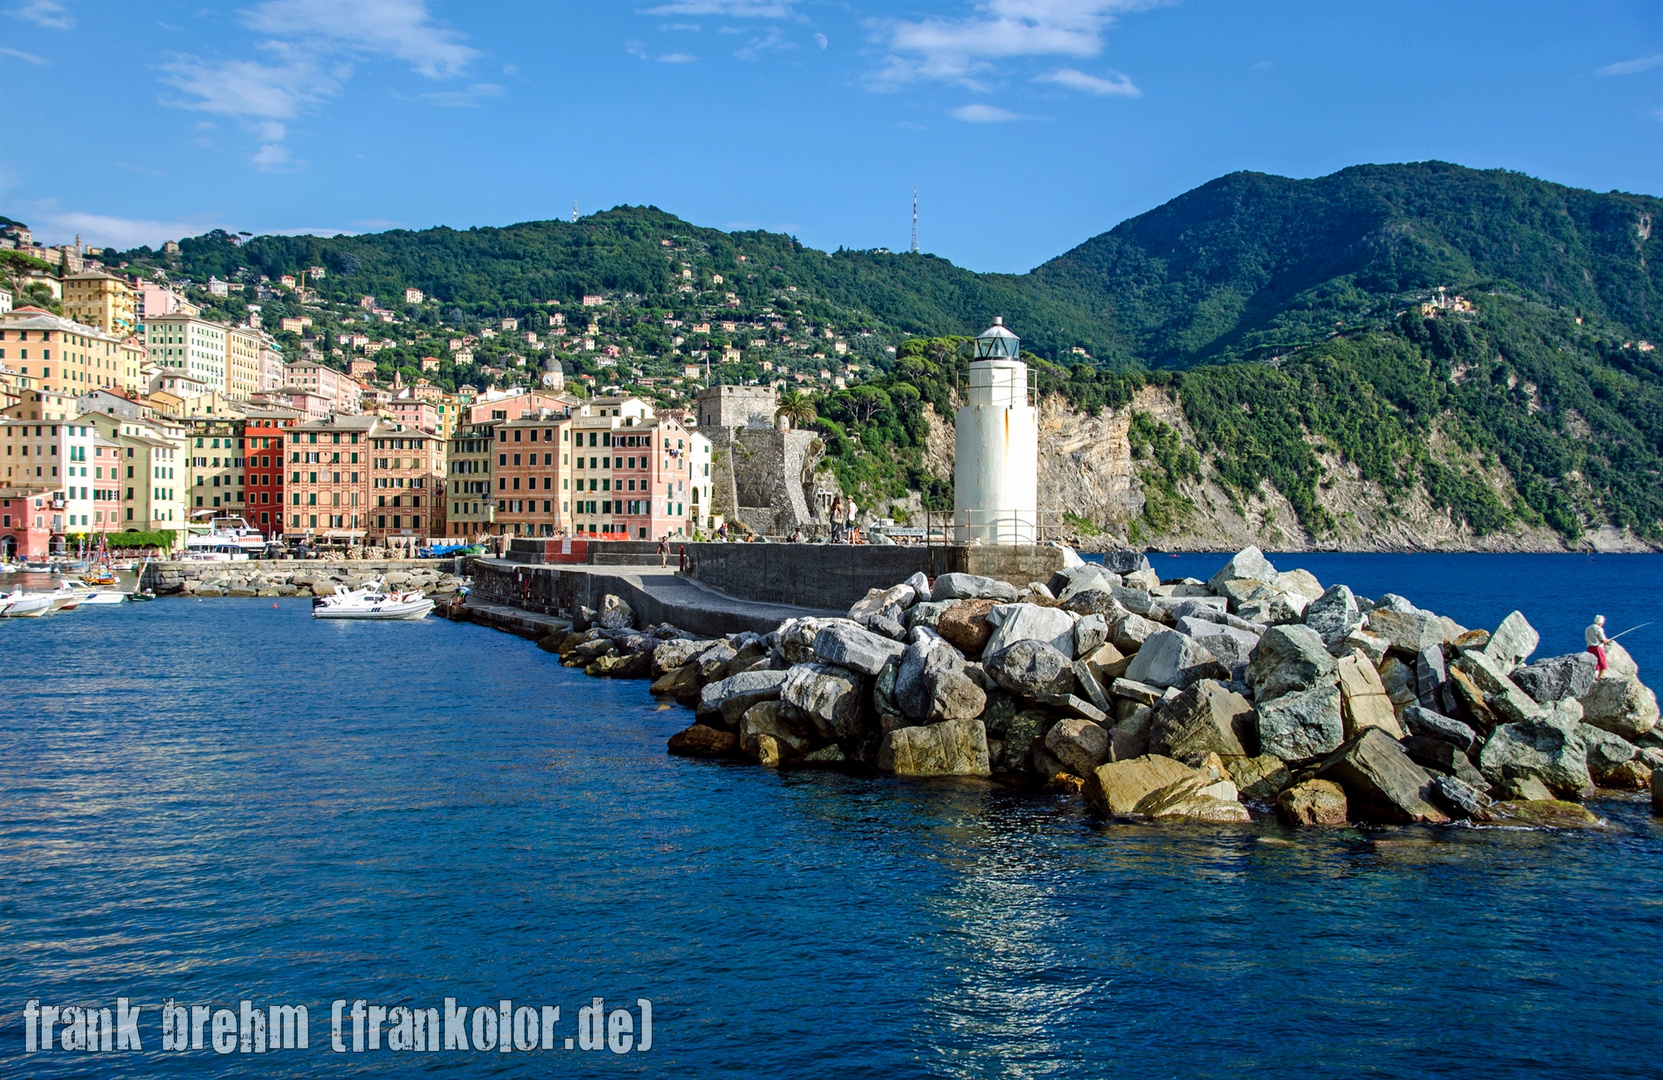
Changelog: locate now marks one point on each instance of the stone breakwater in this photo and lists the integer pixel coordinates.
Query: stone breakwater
(1256, 692)
(289, 577)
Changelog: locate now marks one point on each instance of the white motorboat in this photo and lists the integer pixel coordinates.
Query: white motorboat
(63, 598)
(22, 605)
(228, 539)
(94, 594)
(374, 601)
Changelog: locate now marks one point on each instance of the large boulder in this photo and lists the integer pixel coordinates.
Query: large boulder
(1206, 718)
(1408, 631)
(1169, 658)
(891, 602)
(928, 613)
(1129, 632)
(1621, 705)
(1438, 756)
(965, 624)
(730, 697)
(1249, 562)
(1543, 814)
(1606, 754)
(933, 683)
(1118, 786)
(1513, 642)
(1289, 659)
(1427, 724)
(1069, 582)
(1381, 783)
(1231, 645)
(790, 734)
(854, 647)
(1364, 697)
(675, 653)
(950, 748)
(1555, 678)
(1197, 797)
(1030, 622)
(1298, 726)
(1079, 744)
(1500, 692)
(1031, 669)
(796, 638)
(1023, 732)
(1432, 680)
(702, 742)
(1095, 602)
(1125, 562)
(1258, 777)
(1313, 802)
(615, 614)
(1090, 633)
(1551, 753)
(1300, 583)
(972, 587)
(1272, 605)
(828, 696)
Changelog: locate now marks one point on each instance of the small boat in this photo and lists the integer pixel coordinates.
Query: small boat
(373, 601)
(63, 598)
(141, 595)
(100, 597)
(22, 605)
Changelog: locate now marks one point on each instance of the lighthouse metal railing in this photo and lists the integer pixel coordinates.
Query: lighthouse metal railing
(991, 526)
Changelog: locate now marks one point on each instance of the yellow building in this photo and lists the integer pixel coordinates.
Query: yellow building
(102, 300)
(242, 362)
(61, 355)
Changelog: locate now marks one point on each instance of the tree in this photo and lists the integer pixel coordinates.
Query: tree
(796, 407)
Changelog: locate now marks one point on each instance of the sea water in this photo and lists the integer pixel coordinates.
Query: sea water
(212, 801)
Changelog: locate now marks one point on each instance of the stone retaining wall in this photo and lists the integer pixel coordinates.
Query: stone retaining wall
(294, 577)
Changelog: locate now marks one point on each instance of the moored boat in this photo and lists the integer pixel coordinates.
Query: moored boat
(374, 601)
(22, 605)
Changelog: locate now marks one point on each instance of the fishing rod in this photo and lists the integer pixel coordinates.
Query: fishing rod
(1630, 630)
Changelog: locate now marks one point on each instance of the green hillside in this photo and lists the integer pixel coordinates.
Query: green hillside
(1286, 312)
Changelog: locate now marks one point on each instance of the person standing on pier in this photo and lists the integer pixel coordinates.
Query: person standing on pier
(837, 520)
(1595, 636)
(664, 551)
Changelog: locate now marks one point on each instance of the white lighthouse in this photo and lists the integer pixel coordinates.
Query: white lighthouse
(996, 447)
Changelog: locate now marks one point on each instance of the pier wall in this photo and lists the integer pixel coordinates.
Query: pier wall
(811, 575)
(296, 577)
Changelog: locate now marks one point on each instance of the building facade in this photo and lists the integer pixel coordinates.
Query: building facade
(95, 298)
(364, 479)
(59, 354)
(468, 466)
(189, 345)
(264, 433)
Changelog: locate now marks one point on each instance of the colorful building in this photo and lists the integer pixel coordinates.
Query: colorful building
(263, 437)
(365, 479)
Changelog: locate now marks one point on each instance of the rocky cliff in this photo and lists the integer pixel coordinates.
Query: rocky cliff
(1103, 495)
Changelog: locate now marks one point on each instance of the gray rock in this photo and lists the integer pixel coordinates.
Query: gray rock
(1090, 632)
(1021, 732)
(1204, 719)
(1500, 693)
(848, 645)
(790, 735)
(1513, 642)
(1621, 705)
(920, 587)
(1381, 783)
(950, 748)
(1029, 622)
(1555, 756)
(1070, 582)
(1071, 705)
(1430, 677)
(1136, 601)
(1555, 678)
(731, 696)
(828, 696)
(1131, 631)
(1095, 602)
(1091, 686)
(1031, 669)
(1457, 798)
(1289, 659)
(892, 601)
(972, 587)
(1408, 631)
(796, 639)
(1232, 646)
(927, 613)
(1302, 725)
(1142, 693)
(673, 654)
(1129, 738)
(1272, 606)
(1169, 658)
(1079, 744)
(1442, 757)
(933, 684)
(1249, 563)
(1605, 751)
(615, 614)
(1525, 789)
(1428, 724)
(1125, 562)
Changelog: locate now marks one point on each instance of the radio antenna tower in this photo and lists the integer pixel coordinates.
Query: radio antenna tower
(915, 221)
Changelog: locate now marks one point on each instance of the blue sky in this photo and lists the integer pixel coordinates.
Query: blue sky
(1027, 126)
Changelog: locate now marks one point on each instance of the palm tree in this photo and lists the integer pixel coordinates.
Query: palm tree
(796, 407)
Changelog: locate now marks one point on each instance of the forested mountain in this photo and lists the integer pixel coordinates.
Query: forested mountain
(1286, 315)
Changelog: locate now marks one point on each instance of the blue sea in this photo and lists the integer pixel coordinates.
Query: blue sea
(213, 801)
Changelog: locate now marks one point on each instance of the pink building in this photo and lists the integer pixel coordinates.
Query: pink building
(415, 413)
(25, 516)
(314, 378)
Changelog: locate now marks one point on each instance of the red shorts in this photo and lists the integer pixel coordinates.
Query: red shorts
(1599, 655)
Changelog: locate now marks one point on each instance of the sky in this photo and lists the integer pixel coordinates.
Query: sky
(1026, 126)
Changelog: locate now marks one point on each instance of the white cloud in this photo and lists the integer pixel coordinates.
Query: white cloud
(1118, 85)
(471, 98)
(773, 39)
(44, 13)
(313, 45)
(677, 58)
(732, 9)
(103, 230)
(1632, 67)
(961, 49)
(984, 114)
(820, 40)
(398, 29)
(27, 58)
